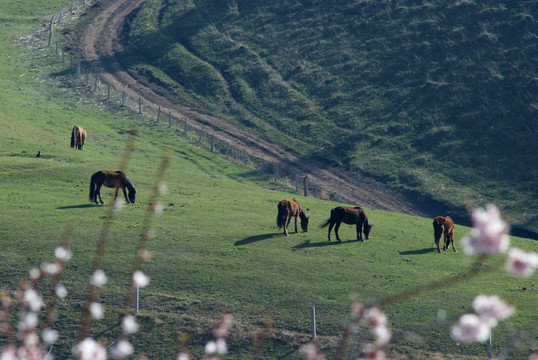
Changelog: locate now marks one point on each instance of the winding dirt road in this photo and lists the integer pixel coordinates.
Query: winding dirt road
(100, 46)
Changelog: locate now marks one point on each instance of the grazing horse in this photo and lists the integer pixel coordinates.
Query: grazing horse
(288, 209)
(78, 135)
(111, 179)
(443, 225)
(350, 216)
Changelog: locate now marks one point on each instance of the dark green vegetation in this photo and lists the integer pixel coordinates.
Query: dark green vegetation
(436, 98)
(216, 245)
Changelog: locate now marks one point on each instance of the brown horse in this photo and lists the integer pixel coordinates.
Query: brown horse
(78, 135)
(111, 179)
(350, 216)
(288, 209)
(443, 225)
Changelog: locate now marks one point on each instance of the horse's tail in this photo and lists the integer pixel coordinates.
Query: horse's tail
(280, 218)
(325, 223)
(73, 136)
(92, 188)
(437, 229)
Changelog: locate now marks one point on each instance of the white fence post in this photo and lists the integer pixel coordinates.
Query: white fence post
(313, 317)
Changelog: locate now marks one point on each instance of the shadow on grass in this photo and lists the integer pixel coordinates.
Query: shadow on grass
(418, 252)
(81, 206)
(308, 244)
(256, 238)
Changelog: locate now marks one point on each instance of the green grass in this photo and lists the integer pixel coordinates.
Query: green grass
(377, 86)
(216, 245)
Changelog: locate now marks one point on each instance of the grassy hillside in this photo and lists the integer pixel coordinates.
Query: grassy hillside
(216, 245)
(435, 99)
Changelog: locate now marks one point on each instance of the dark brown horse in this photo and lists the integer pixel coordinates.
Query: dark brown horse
(443, 225)
(288, 209)
(78, 135)
(350, 216)
(111, 179)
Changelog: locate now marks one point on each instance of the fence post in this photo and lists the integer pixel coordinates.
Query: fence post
(123, 98)
(313, 317)
(139, 105)
(488, 346)
(95, 83)
(158, 113)
(227, 150)
(71, 62)
(57, 47)
(261, 167)
(296, 183)
(245, 157)
(169, 119)
(185, 130)
(304, 182)
(50, 29)
(137, 299)
(78, 69)
(201, 134)
(108, 91)
(212, 142)
(87, 81)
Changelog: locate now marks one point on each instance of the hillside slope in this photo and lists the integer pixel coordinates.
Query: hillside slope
(435, 100)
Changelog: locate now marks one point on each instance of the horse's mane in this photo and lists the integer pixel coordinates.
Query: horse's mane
(128, 183)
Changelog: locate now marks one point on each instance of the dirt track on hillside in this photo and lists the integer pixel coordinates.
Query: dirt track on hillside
(100, 46)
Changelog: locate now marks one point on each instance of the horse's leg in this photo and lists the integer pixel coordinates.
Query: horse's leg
(330, 228)
(296, 231)
(336, 227)
(125, 195)
(286, 223)
(452, 241)
(359, 232)
(98, 194)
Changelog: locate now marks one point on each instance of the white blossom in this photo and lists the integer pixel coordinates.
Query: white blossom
(520, 263)
(470, 329)
(51, 268)
(60, 291)
(489, 233)
(33, 300)
(96, 309)
(122, 349)
(129, 325)
(98, 278)
(89, 349)
(49, 336)
(140, 279)
(491, 309)
(63, 254)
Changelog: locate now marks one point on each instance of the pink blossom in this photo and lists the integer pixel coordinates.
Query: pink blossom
(470, 329)
(520, 263)
(89, 349)
(374, 316)
(489, 234)
(382, 335)
(491, 309)
(9, 353)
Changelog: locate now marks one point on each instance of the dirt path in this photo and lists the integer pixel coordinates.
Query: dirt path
(100, 46)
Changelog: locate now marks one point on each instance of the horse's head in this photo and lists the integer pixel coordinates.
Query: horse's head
(367, 229)
(304, 221)
(132, 195)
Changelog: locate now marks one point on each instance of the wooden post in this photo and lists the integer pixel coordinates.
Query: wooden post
(123, 98)
(57, 52)
(139, 105)
(87, 81)
(169, 119)
(304, 183)
(95, 83)
(137, 299)
(78, 69)
(227, 151)
(72, 1)
(108, 91)
(313, 318)
(201, 134)
(296, 183)
(50, 29)
(158, 113)
(185, 130)
(212, 142)
(488, 346)
(245, 157)
(261, 167)
(71, 62)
